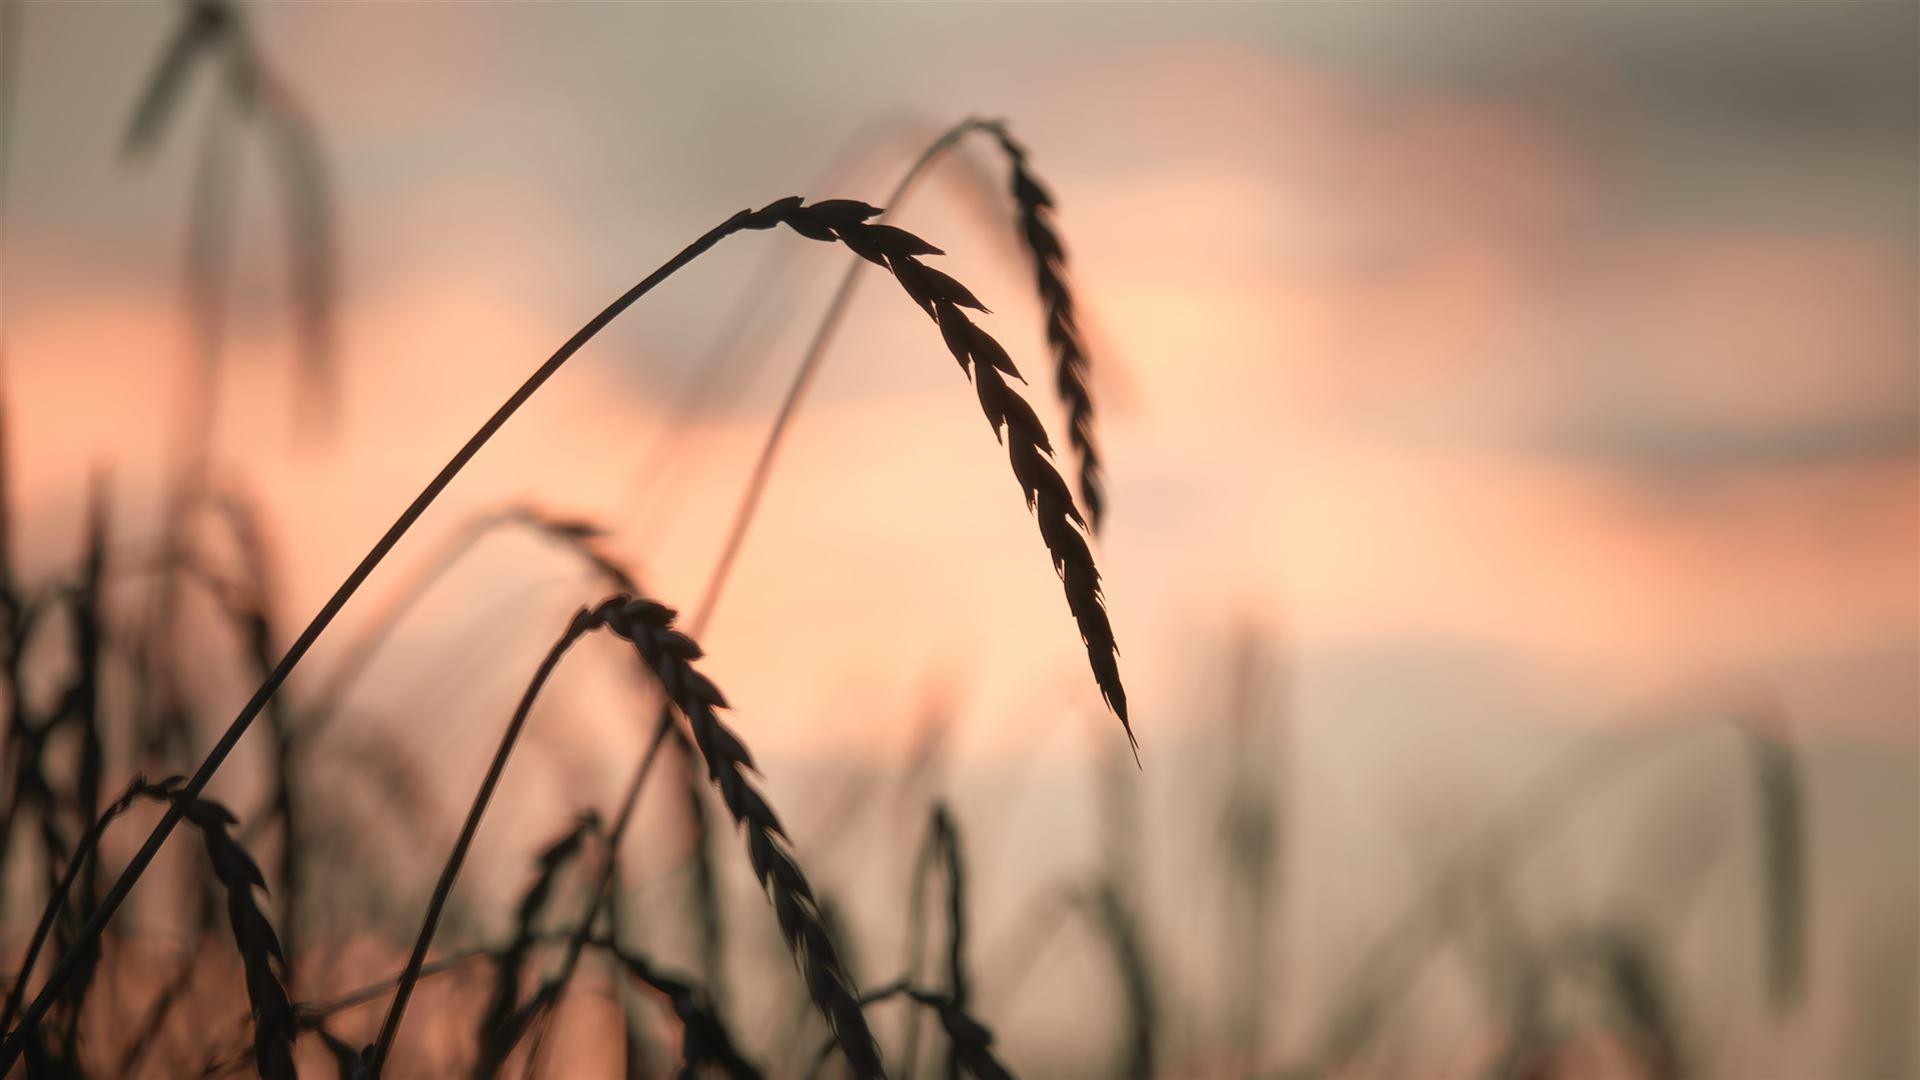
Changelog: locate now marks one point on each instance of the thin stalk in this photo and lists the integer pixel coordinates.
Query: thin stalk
(803, 379)
(582, 624)
(15, 1043)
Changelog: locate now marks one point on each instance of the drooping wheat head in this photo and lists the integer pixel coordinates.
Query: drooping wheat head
(669, 654)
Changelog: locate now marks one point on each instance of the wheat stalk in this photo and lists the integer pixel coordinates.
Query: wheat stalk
(1121, 930)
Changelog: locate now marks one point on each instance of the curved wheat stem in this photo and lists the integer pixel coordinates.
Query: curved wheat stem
(584, 622)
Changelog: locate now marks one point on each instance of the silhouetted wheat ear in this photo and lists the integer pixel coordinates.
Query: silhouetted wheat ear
(1627, 964)
(274, 1026)
(216, 31)
(972, 1041)
(580, 535)
(1012, 419)
(706, 1045)
(669, 654)
(1780, 802)
(1072, 369)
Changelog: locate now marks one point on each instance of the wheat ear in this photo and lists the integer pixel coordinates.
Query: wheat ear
(1072, 370)
(669, 654)
(274, 1025)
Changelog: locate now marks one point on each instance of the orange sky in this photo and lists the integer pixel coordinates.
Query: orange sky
(1388, 358)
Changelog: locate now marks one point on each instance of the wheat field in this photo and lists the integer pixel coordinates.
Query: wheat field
(1490, 429)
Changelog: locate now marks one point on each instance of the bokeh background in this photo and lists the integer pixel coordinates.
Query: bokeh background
(1509, 409)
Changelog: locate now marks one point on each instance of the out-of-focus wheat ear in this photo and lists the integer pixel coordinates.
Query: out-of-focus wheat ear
(581, 536)
(510, 962)
(308, 198)
(706, 1043)
(971, 1040)
(1117, 924)
(1780, 804)
(274, 1025)
(349, 1063)
(203, 25)
(1627, 965)
(80, 710)
(940, 850)
(1012, 419)
(959, 986)
(1072, 369)
(669, 655)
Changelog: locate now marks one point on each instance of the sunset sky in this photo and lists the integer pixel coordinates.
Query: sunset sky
(1502, 374)
(1523, 364)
